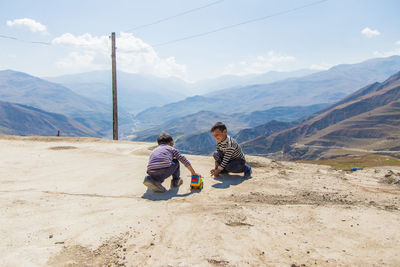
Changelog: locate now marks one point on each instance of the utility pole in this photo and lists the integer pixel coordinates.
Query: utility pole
(114, 87)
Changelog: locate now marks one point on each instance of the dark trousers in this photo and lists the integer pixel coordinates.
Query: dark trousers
(163, 173)
(235, 165)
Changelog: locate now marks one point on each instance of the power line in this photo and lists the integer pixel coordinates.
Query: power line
(194, 35)
(132, 29)
(174, 16)
(44, 43)
(8, 37)
(23, 41)
(239, 24)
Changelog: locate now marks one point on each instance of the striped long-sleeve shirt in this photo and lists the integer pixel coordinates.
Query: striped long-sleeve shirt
(162, 156)
(231, 150)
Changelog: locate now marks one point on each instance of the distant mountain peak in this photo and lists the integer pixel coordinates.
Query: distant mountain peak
(367, 119)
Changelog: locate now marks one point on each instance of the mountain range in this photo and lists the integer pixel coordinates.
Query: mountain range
(203, 120)
(327, 86)
(203, 143)
(137, 92)
(21, 88)
(263, 117)
(367, 120)
(229, 81)
(17, 119)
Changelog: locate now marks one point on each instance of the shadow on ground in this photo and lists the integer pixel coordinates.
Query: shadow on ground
(171, 193)
(227, 180)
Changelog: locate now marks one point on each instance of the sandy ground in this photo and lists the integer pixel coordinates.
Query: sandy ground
(81, 202)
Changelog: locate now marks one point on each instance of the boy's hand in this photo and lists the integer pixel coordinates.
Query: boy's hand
(192, 171)
(215, 172)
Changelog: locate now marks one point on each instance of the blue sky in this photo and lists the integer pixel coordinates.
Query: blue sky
(319, 36)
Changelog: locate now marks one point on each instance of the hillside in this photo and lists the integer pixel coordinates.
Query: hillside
(81, 202)
(136, 92)
(196, 143)
(203, 143)
(279, 113)
(19, 119)
(264, 130)
(202, 121)
(194, 123)
(322, 87)
(192, 135)
(21, 88)
(368, 120)
(229, 81)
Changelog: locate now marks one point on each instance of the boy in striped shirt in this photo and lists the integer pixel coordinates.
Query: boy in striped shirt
(229, 156)
(164, 162)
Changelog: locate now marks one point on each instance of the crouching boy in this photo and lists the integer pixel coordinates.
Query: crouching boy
(164, 162)
(229, 156)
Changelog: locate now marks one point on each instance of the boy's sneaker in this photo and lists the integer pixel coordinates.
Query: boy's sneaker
(247, 172)
(176, 183)
(153, 185)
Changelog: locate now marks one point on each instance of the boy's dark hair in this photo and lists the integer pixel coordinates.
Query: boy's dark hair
(164, 138)
(218, 125)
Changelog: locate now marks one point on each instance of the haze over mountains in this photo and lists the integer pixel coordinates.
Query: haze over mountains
(203, 143)
(201, 121)
(229, 81)
(376, 69)
(21, 88)
(256, 114)
(17, 119)
(322, 87)
(368, 119)
(138, 92)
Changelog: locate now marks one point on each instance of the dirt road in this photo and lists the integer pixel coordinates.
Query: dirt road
(81, 202)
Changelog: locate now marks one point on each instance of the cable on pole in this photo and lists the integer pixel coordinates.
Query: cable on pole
(174, 16)
(239, 24)
(23, 41)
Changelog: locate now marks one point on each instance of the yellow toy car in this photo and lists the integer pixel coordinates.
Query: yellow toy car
(196, 182)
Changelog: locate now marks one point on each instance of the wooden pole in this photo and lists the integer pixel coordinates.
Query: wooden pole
(114, 88)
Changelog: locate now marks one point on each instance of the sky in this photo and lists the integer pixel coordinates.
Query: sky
(194, 40)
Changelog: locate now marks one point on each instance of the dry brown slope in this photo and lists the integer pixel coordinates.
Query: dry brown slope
(25, 120)
(378, 103)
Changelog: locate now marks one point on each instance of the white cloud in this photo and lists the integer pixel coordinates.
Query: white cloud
(261, 64)
(137, 56)
(79, 62)
(398, 42)
(85, 41)
(29, 24)
(133, 55)
(370, 33)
